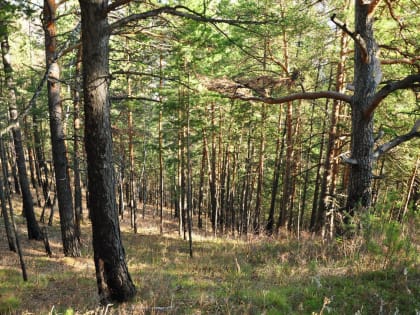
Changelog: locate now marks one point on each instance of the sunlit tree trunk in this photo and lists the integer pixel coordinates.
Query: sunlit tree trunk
(69, 236)
(113, 279)
(366, 79)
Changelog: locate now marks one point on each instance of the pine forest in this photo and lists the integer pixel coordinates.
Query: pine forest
(210, 157)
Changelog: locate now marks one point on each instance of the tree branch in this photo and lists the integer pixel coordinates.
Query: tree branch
(408, 61)
(372, 7)
(382, 149)
(114, 5)
(176, 10)
(358, 39)
(408, 82)
(296, 96)
(41, 83)
(138, 98)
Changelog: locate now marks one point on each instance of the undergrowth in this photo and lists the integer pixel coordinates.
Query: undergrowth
(375, 272)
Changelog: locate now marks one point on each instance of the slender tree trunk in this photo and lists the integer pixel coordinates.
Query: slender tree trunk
(113, 279)
(328, 179)
(34, 231)
(160, 148)
(78, 208)
(189, 183)
(410, 186)
(12, 216)
(69, 236)
(201, 185)
(7, 224)
(42, 168)
(285, 203)
(277, 171)
(258, 197)
(213, 173)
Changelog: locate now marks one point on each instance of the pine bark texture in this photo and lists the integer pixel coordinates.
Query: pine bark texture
(366, 66)
(71, 246)
(113, 279)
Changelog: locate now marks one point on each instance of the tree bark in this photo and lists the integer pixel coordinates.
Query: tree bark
(34, 231)
(113, 279)
(71, 246)
(366, 71)
(78, 208)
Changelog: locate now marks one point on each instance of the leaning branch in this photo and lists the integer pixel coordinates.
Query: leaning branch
(296, 96)
(408, 61)
(116, 5)
(130, 98)
(358, 39)
(15, 123)
(41, 83)
(410, 81)
(180, 11)
(414, 133)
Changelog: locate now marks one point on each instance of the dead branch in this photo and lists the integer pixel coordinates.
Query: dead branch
(408, 61)
(410, 81)
(180, 11)
(358, 39)
(382, 149)
(239, 90)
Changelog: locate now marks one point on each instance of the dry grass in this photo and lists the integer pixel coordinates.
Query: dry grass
(256, 275)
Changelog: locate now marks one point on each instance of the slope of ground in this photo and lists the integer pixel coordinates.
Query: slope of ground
(227, 275)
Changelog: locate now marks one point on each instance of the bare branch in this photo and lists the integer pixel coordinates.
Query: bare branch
(382, 149)
(31, 104)
(358, 39)
(180, 11)
(296, 96)
(41, 84)
(138, 98)
(408, 61)
(116, 4)
(410, 81)
(372, 7)
(345, 157)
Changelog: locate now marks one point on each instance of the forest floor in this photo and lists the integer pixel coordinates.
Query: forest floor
(378, 273)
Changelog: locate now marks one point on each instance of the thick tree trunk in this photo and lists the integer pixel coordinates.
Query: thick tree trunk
(34, 231)
(69, 236)
(114, 281)
(366, 79)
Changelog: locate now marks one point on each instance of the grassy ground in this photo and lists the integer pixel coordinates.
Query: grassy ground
(378, 273)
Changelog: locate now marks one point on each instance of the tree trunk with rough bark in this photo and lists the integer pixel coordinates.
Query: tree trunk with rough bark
(71, 245)
(366, 73)
(113, 279)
